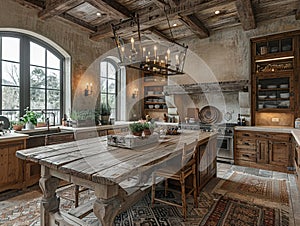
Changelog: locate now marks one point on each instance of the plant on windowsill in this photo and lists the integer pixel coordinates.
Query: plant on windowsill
(136, 128)
(105, 111)
(17, 125)
(30, 118)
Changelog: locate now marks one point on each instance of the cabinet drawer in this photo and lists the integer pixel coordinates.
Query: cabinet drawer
(245, 155)
(247, 144)
(245, 134)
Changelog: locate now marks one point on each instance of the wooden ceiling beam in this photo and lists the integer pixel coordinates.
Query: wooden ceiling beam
(155, 17)
(245, 13)
(159, 3)
(112, 8)
(57, 7)
(297, 15)
(79, 22)
(156, 32)
(195, 25)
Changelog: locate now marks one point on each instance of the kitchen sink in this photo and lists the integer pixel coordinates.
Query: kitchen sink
(40, 132)
(37, 137)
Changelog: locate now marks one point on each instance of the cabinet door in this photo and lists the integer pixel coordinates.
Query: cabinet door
(11, 166)
(279, 153)
(262, 151)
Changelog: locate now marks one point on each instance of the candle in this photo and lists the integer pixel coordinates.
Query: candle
(155, 48)
(177, 59)
(168, 54)
(87, 86)
(132, 43)
(144, 50)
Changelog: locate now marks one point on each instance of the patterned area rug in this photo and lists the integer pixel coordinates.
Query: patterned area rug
(214, 209)
(234, 212)
(252, 187)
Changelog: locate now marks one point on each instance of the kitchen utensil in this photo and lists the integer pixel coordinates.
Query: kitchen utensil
(5, 122)
(209, 114)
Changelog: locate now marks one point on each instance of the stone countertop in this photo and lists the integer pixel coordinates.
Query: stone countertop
(276, 129)
(12, 136)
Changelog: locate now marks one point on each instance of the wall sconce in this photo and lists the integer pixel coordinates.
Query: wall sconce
(135, 93)
(88, 90)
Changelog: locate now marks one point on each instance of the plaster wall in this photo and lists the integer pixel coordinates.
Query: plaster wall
(224, 56)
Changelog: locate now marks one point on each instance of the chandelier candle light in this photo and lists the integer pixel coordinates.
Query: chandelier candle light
(158, 56)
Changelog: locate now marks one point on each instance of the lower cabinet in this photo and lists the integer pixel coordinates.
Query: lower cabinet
(11, 173)
(296, 159)
(270, 151)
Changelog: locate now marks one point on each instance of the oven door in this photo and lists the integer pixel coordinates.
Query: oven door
(225, 148)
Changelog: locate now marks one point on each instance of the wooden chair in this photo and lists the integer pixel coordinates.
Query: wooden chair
(187, 168)
(58, 139)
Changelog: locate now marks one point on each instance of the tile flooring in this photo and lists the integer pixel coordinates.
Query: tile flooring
(224, 172)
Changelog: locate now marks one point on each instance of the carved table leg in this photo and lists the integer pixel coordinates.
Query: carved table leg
(107, 204)
(50, 202)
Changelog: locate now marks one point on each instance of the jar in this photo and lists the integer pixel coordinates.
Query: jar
(297, 123)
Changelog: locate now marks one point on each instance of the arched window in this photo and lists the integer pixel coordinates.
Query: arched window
(31, 75)
(109, 71)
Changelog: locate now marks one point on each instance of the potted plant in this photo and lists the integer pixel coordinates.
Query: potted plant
(105, 111)
(30, 118)
(148, 128)
(17, 125)
(136, 128)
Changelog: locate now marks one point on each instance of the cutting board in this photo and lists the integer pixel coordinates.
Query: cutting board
(193, 113)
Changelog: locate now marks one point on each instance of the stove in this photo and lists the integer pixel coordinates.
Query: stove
(224, 139)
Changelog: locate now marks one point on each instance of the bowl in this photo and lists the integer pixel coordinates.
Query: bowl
(157, 106)
(272, 96)
(271, 106)
(272, 86)
(285, 86)
(150, 92)
(150, 106)
(262, 97)
(260, 106)
(284, 95)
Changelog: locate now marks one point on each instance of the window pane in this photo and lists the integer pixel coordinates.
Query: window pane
(111, 71)
(11, 49)
(111, 86)
(37, 54)
(53, 101)
(103, 69)
(103, 85)
(11, 115)
(112, 100)
(10, 97)
(103, 98)
(37, 98)
(37, 77)
(53, 79)
(52, 60)
(10, 74)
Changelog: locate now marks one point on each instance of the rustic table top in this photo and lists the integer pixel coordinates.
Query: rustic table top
(92, 159)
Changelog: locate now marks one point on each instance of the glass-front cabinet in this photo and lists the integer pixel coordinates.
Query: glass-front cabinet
(274, 66)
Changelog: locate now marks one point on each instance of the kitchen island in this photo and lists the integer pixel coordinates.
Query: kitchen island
(119, 176)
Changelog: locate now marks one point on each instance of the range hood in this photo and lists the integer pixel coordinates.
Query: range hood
(198, 88)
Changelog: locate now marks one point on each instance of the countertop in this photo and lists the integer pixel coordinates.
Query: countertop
(276, 129)
(12, 136)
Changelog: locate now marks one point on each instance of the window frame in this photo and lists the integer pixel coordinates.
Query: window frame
(116, 79)
(24, 91)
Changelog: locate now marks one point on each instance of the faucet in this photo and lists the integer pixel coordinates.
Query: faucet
(47, 118)
(48, 123)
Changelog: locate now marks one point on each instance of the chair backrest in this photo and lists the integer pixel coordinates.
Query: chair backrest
(189, 153)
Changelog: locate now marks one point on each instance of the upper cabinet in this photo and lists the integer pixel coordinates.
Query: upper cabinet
(274, 66)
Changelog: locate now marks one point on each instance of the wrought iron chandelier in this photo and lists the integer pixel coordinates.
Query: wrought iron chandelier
(142, 53)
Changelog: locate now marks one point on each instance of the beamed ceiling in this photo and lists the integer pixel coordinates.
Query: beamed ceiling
(194, 18)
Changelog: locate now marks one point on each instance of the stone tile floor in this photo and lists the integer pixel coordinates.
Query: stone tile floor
(14, 198)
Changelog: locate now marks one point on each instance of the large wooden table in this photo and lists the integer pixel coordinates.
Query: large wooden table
(119, 176)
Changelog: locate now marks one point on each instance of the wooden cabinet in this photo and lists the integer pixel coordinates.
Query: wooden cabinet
(274, 69)
(270, 151)
(11, 174)
(296, 159)
(154, 102)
